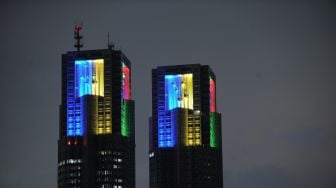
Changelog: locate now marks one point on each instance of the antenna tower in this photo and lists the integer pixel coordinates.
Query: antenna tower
(78, 36)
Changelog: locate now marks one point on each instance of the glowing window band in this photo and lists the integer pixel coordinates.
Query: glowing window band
(166, 132)
(213, 120)
(124, 119)
(126, 95)
(126, 84)
(212, 95)
(213, 130)
(88, 80)
(89, 77)
(179, 91)
(178, 94)
(192, 129)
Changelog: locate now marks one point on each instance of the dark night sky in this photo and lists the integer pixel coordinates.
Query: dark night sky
(275, 67)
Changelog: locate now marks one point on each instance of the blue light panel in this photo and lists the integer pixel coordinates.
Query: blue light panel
(85, 79)
(173, 91)
(167, 127)
(178, 94)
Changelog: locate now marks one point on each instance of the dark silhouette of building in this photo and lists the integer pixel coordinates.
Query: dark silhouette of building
(96, 146)
(185, 147)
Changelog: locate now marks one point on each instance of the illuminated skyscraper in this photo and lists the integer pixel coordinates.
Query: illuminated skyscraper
(185, 147)
(96, 140)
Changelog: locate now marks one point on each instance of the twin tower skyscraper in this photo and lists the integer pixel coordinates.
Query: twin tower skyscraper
(96, 146)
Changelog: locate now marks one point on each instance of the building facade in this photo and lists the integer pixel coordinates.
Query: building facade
(185, 144)
(96, 146)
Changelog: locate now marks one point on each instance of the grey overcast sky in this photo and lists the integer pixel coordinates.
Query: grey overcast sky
(275, 68)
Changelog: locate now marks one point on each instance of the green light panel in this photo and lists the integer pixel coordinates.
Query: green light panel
(214, 130)
(124, 123)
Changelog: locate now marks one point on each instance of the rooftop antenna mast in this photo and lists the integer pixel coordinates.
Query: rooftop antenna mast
(110, 45)
(78, 36)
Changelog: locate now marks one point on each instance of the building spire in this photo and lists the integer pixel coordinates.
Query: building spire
(78, 36)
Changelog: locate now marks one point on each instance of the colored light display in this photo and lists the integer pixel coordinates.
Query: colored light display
(178, 94)
(213, 120)
(89, 77)
(214, 130)
(179, 91)
(212, 95)
(167, 126)
(126, 84)
(192, 126)
(126, 95)
(125, 118)
(88, 80)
